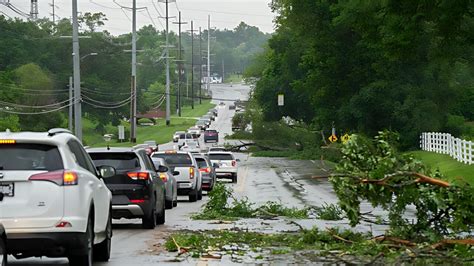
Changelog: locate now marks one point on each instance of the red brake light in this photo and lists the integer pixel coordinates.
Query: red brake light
(139, 175)
(191, 172)
(60, 178)
(205, 170)
(137, 201)
(64, 224)
(164, 177)
(234, 163)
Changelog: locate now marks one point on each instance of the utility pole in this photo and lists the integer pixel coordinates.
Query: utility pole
(133, 105)
(180, 64)
(34, 10)
(53, 6)
(192, 65)
(208, 53)
(71, 102)
(200, 66)
(76, 73)
(168, 103)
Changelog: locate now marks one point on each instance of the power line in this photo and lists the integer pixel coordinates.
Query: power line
(226, 12)
(35, 113)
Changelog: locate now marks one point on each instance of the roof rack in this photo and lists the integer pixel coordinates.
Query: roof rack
(55, 131)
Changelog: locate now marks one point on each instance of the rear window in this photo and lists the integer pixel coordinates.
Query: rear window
(221, 157)
(185, 136)
(30, 157)
(120, 161)
(211, 131)
(175, 159)
(201, 163)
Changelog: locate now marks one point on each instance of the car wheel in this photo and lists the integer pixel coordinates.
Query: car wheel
(234, 178)
(161, 217)
(193, 196)
(169, 204)
(199, 196)
(175, 203)
(85, 259)
(149, 221)
(3, 252)
(102, 250)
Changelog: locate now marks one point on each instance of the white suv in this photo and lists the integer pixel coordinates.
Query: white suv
(225, 163)
(53, 201)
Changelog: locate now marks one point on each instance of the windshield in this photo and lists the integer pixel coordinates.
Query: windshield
(201, 162)
(30, 157)
(175, 159)
(120, 161)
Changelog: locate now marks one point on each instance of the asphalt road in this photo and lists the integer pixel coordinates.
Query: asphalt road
(259, 179)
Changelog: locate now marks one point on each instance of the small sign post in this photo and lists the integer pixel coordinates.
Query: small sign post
(121, 133)
(281, 99)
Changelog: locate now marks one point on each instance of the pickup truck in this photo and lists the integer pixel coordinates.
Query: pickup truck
(186, 172)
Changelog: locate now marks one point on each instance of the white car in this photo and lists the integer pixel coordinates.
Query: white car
(53, 199)
(183, 137)
(191, 146)
(226, 164)
(195, 131)
(176, 135)
(186, 171)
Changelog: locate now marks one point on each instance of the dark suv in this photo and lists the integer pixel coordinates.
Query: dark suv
(137, 190)
(211, 135)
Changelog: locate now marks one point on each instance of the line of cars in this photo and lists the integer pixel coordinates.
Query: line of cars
(58, 199)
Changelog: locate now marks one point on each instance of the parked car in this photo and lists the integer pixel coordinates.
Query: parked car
(195, 132)
(232, 107)
(207, 119)
(183, 138)
(226, 164)
(137, 190)
(211, 115)
(211, 135)
(176, 135)
(186, 171)
(3, 246)
(207, 170)
(171, 186)
(54, 201)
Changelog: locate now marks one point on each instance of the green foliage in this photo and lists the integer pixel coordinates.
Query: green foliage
(373, 170)
(223, 205)
(330, 212)
(370, 65)
(11, 122)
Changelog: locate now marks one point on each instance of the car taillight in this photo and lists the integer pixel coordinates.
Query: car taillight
(137, 201)
(63, 224)
(191, 172)
(234, 163)
(205, 170)
(60, 178)
(164, 177)
(139, 175)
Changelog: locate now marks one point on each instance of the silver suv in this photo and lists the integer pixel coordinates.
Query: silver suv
(53, 200)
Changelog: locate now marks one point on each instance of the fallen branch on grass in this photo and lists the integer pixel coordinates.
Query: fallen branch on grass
(181, 250)
(469, 241)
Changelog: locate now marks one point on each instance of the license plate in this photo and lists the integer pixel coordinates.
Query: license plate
(7, 189)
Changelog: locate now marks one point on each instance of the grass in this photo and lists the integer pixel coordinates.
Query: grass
(446, 165)
(234, 79)
(159, 132)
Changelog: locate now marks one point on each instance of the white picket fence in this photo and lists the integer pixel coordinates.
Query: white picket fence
(459, 149)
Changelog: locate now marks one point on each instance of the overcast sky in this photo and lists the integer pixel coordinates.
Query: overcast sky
(224, 13)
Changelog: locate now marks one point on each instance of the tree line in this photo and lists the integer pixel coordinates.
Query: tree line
(365, 66)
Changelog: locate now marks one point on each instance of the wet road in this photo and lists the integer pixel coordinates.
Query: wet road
(259, 179)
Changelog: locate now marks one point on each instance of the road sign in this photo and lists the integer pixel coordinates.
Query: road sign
(281, 99)
(121, 132)
(345, 138)
(333, 138)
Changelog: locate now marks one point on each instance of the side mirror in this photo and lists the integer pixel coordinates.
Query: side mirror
(176, 173)
(106, 171)
(163, 169)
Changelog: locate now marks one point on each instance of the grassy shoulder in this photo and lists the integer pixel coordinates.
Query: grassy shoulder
(448, 166)
(159, 132)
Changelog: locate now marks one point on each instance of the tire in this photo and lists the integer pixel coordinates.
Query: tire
(3, 252)
(85, 259)
(161, 217)
(234, 178)
(169, 204)
(193, 196)
(175, 203)
(149, 221)
(102, 250)
(199, 194)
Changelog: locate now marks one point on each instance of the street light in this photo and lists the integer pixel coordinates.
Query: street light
(91, 54)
